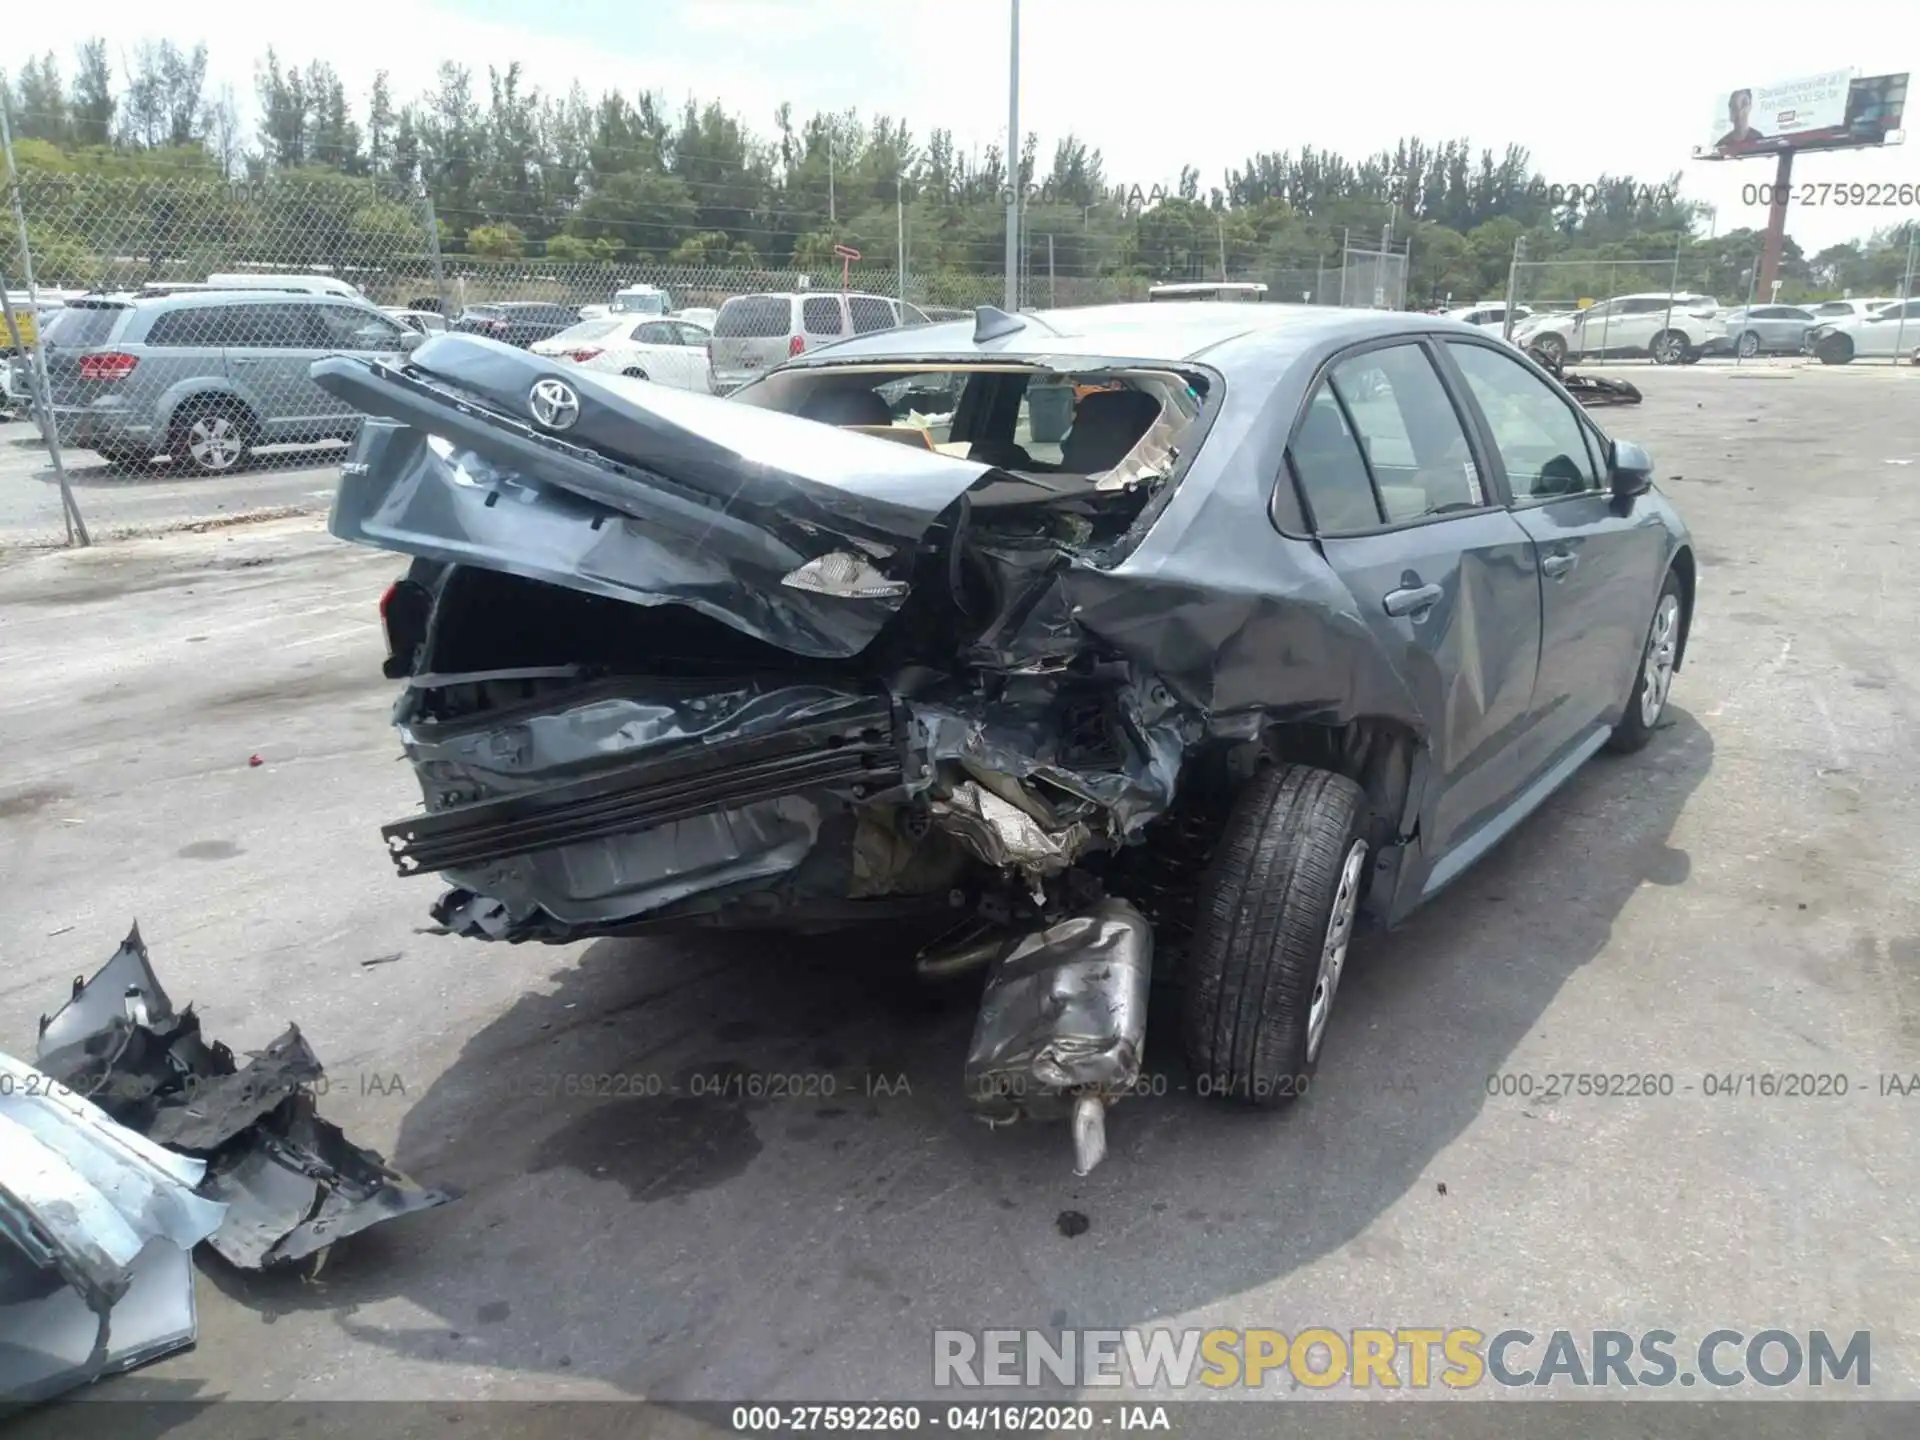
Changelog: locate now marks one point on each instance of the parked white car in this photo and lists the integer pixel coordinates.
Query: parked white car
(421, 322)
(1489, 314)
(700, 316)
(1891, 330)
(665, 351)
(1672, 329)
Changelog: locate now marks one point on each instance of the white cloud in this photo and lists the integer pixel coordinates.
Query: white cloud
(1627, 89)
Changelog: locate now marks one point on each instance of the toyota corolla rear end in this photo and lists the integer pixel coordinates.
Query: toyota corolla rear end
(678, 661)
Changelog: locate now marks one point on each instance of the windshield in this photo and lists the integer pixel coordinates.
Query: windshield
(654, 304)
(1117, 426)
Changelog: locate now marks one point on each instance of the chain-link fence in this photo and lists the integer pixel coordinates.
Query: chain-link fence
(183, 312)
(1374, 279)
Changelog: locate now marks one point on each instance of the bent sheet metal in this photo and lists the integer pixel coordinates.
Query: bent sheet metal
(291, 1182)
(100, 1223)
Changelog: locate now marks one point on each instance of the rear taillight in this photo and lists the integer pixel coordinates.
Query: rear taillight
(581, 355)
(111, 366)
(796, 344)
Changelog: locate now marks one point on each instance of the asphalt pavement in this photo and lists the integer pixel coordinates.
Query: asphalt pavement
(1741, 899)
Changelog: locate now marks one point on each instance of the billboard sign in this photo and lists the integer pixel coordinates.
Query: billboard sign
(1759, 118)
(1821, 112)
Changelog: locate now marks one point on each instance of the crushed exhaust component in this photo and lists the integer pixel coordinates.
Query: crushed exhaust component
(1063, 1023)
(290, 1182)
(96, 1226)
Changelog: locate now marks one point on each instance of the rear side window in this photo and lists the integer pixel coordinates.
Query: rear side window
(820, 315)
(753, 317)
(82, 324)
(869, 313)
(656, 332)
(1332, 472)
(197, 328)
(263, 327)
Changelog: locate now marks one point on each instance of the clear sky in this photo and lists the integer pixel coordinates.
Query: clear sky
(1622, 87)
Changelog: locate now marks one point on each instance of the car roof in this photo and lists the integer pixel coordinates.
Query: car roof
(203, 299)
(1139, 331)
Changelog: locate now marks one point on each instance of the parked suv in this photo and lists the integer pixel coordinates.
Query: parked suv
(205, 376)
(1672, 329)
(516, 322)
(754, 333)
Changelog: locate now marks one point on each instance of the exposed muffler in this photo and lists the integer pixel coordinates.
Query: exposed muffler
(1063, 1024)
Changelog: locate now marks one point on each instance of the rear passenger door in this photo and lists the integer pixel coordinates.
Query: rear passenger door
(1600, 568)
(270, 346)
(1394, 490)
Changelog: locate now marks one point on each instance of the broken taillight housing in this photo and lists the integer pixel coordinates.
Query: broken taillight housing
(796, 344)
(403, 616)
(582, 355)
(112, 365)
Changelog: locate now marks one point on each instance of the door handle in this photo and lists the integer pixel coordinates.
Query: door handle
(1413, 601)
(1557, 565)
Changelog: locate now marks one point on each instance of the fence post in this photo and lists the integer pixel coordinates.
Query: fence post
(1513, 286)
(1906, 294)
(1753, 279)
(37, 362)
(433, 244)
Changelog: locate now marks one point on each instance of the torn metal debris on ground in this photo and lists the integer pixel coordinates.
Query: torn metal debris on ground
(291, 1182)
(101, 1222)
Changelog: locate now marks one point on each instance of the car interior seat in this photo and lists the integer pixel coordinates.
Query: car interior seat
(1106, 425)
(848, 407)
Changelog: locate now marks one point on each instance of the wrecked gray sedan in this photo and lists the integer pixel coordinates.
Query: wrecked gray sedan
(1197, 628)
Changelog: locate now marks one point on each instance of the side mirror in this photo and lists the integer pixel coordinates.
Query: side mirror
(1629, 470)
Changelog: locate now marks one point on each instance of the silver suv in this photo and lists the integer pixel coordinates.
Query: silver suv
(204, 377)
(754, 333)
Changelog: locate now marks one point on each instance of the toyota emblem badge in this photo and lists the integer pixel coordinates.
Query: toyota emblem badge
(555, 406)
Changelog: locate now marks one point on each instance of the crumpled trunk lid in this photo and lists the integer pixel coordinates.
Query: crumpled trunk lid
(633, 491)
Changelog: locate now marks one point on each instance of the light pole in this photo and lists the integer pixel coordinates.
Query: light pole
(1013, 164)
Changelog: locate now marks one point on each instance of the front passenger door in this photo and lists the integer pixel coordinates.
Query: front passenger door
(1601, 567)
(1442, 573)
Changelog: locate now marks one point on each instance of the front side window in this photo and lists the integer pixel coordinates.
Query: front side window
(1541, 441)
(344, 327)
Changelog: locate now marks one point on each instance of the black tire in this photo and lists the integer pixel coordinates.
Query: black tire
(634, 372)
(1636, 727)
(124, 459)
(1552, 350)
(1834, 350)
(1670, 347)
(1749, 345)
(1266, 902)
(230, 413)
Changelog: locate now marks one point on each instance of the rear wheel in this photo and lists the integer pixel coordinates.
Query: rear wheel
(1670, 347)
(1553, 350)
(212, 437)
(1277, 907)
(634, 372)
(1749, 345)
